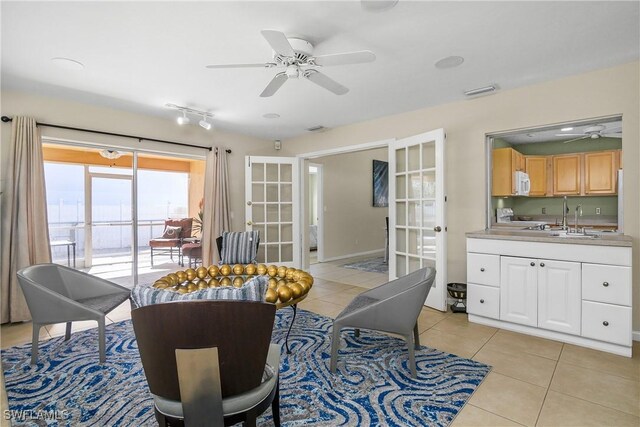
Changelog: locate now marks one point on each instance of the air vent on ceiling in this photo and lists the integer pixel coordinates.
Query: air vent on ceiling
(319, 128)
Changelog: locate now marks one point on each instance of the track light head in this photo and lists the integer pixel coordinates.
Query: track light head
(183, 120)
(205, 124)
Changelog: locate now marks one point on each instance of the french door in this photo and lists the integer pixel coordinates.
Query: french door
(272, 195)
(417, 210)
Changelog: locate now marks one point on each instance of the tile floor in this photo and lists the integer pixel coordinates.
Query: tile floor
(533, 382)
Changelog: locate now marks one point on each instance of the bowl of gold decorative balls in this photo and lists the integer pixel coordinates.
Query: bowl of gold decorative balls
(286, 285)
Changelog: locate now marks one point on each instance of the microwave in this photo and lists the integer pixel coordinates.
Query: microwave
(522, 183)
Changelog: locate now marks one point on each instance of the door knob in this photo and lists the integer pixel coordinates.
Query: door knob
(248, 202)
(249, 223)
(437, 229)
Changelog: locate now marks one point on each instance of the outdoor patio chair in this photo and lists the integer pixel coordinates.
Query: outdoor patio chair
(238, 247)
(392, 307)
(171, 239)
(57, 294)
(209, 376)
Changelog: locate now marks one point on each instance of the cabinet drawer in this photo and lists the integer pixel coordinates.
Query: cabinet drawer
(606, 322)
(483, 301)
(483, 269)
(606, 283)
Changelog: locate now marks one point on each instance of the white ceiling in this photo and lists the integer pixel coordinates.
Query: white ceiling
(140, 55)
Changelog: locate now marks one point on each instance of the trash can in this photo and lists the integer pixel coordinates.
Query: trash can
(459, 292)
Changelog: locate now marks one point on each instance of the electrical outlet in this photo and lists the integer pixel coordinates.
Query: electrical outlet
(597, 211)
(544, 211)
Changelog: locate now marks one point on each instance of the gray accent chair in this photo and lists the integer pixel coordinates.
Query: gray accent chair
(58, 294)
(392, 307)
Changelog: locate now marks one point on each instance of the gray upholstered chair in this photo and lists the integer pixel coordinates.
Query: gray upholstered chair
(209, 376)
(393, 307)
(238, 247)
(58, 294)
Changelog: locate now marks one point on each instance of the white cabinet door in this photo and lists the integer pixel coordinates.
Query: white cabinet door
(518, 290)
(559, 296)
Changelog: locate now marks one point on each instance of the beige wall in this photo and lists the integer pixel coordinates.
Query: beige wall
(351, 224)
(69, 113)
(595, 94)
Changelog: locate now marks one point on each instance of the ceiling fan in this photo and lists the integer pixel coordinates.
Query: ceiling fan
(594, 132)
(295, 56)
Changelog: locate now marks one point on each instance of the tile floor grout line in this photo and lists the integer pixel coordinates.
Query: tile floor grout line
(596, 403)
(602, 372)
(497, 415)
(482, 346)
(546, 393)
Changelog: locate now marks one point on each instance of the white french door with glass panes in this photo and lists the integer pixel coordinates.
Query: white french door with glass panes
(272, 197)
(417, 210)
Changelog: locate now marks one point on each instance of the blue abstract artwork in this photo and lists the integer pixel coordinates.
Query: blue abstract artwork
(380, 184)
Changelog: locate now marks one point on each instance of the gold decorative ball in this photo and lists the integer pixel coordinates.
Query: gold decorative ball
(271, 296)
(238, 269)
(192, 286)
(214, 283)
(201, 272)
(272, 270)
(261, 269)
(191, 273)
(213, 270)
(284, 293)
(250, 269)
(282, 272)
(305, 286)
(225, 281)
(296, 290)
(174, 278)
(202, 284)
(273, 283)
(289, 273)
(282, 282)
(296, 275)
(182, 276)
(160, 284)
(225, 270)
(238, 281)
(182, 290)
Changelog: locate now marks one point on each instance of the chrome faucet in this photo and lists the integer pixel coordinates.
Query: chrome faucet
(578, 209)
(565, 211)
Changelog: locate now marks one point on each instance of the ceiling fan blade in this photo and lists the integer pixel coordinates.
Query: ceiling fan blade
(345, 58)
(324, 81)
(274, 85)
(570, 134)
(576, 139)
(278, 42)
(612, 135)
(267, 65)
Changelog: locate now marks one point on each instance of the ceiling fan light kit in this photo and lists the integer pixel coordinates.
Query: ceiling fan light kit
(295, 55)
(594, 132)
(185, 120)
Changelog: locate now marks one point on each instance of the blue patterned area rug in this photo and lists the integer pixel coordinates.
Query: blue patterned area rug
(373, 386)
(373, 265)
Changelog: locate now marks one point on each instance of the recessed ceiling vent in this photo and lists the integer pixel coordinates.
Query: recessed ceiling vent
(319, 128)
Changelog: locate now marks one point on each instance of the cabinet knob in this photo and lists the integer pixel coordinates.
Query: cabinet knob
(481, 301)
(605, 284)
(533, 264)
(542, 264)
(605, 323)
(482, 269)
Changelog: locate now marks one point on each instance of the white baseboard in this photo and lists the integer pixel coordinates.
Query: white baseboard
(336, 258)
(636, 335)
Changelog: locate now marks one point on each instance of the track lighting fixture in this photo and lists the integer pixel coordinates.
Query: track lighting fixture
(204, 123)
(184, 119)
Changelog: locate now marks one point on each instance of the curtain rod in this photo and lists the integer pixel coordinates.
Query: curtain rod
(6, 119)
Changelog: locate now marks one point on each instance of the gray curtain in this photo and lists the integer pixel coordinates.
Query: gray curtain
(215, 217)
(25, 232)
